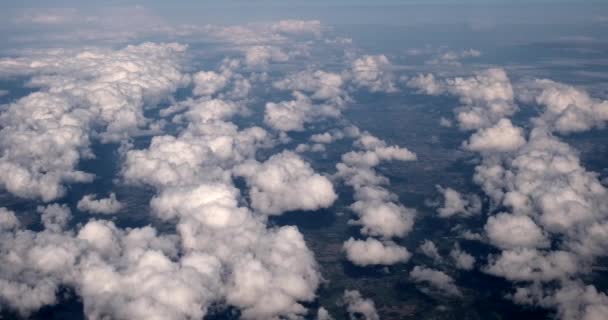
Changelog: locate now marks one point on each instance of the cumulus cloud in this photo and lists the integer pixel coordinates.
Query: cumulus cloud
(486, 97)
(294, 114)
(109, 205)
(508, 231)
(359, 307)
(45, 134)
(462, 259)
(55, 217)
(221, 252)
(382, 218)
(374, 151)
(525, 264)
(379, 214)
(261, 55)
(328, 137)
(8, 220)
(374, 73)
(437, 279)
(502, 137)
(456, 203)
(209, 82)
(285, 183)
(430, 250)
(323, 314)
(321, 84)
(426, 83)
(567, 108)
(373, 252)
(554, 227)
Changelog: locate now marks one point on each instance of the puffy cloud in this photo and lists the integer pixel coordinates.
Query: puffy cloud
(327, 137)
(385, 219)
(502, 137)
(554, 227)
(375, 151)
(8, 220)
(285, 183)
(508, 231)
(108, 205)
(374, 73)
(524, 264)
(575, 301)
(292, 115)
(487, 97)
(545, 178)
(430, 250)
(45, 134)
(323, 314)
(373, 252)
(261, 55)
(55, 217)
(567, 109)
(426, 83)
(437, 279)
(457, 204)
(359, 307)
(378, 212)
(208, 82)
(266, 273)
(202, 152)
(270, 284)
(321, 84)
(462, 259)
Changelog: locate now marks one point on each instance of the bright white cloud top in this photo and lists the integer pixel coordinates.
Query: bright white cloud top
(156, 168)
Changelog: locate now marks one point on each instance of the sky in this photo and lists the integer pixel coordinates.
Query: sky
(303, 160)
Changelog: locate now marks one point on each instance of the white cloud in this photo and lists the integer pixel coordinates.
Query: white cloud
(321, 84)
(384, 219)
(323, 314)
(8, 220)
(285, 183)
(261, 55)
(508, 231)
(109, 205)
(457, 204)
(207, 83)
(327, 137)
(55, 217)
(374, 73)
(502, 137)
(293, 115)
(46, 133)
(359, 307)
(486, 97)
(430, 250)
(426, 83)
(437, 279)
(373, 252)
(525, 264)
(462, 259)
(568, 109)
